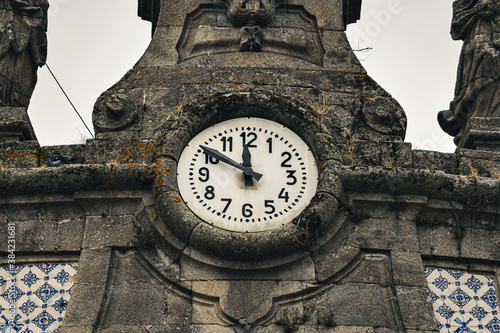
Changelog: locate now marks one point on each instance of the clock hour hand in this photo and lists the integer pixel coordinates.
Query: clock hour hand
(224, 159)
(247, 162)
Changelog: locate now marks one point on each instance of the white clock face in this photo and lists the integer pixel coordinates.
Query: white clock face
(247, 175)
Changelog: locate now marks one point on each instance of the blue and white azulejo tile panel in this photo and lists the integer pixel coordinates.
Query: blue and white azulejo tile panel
(463, 302)
(34, 298)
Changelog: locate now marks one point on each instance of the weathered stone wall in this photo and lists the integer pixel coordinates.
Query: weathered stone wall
(364, 274)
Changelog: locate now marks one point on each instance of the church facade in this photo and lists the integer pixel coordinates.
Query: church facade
(248, 175)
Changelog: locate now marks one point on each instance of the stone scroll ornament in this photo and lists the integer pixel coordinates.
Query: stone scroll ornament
(23, 48)
(251, 14)
(477, 91)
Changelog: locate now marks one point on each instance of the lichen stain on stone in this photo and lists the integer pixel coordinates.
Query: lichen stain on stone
(9, 155)
(133, 149)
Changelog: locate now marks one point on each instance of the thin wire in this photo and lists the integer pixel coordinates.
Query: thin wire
(69, 100)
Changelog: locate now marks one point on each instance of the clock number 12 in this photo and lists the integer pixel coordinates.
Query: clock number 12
(251, 139)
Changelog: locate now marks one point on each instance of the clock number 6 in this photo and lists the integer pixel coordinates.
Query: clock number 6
(246, 210)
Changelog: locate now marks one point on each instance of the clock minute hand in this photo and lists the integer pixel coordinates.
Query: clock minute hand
(223, 158)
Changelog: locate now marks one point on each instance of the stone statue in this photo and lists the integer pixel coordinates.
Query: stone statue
(23, 48)
(477, 92)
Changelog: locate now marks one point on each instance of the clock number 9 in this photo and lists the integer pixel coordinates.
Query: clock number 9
(205, 175)
(246, 210)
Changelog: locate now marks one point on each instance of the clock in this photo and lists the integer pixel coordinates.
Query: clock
(247, 175)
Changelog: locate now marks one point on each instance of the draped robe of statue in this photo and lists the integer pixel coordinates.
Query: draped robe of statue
(477, 92)
(23, 48)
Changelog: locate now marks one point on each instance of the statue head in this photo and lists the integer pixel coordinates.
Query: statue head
(251, 12)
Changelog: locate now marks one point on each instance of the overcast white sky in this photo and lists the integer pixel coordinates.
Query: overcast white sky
(93, 43)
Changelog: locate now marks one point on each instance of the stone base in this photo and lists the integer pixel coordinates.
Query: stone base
(15, 125)
(482, 134)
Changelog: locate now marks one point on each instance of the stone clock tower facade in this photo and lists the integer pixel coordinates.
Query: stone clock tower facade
(248, 176)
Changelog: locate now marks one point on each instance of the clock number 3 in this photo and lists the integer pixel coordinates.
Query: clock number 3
(293, 179)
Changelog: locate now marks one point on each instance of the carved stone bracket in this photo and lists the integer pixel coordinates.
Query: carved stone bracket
(113, 112)
(251, 38)
(251, 13)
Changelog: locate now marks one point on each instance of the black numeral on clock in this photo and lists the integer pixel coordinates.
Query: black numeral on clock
(210, 160)
(270, 142)
(228, 203)
(287, 157)
(246, 210)
(269, 205)
(204, 175)
(291, 176)
(283, 195)
(209, 192)
(251, 139)
(227, 143)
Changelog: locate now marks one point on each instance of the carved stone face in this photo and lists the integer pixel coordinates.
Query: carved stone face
(243, 12)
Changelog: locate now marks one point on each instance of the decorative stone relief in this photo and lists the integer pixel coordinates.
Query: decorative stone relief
(477, 91)
(39, 293)
(250, 12)
(463, 302)
(202, 36)
(113, 112)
